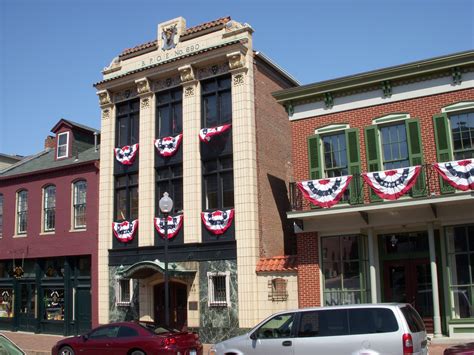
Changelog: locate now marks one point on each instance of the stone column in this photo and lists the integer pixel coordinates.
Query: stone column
(245, 182)
(372, 266)
(191, 155)
(106, 201)
(434, 282)
(146, 177)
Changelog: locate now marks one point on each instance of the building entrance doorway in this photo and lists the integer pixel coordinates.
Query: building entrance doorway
(409, 281)
(27, 307)
(178, 300)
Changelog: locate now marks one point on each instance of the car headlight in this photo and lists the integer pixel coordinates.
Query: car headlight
(212, 351)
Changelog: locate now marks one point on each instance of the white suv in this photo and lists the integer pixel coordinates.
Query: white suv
(366, 329)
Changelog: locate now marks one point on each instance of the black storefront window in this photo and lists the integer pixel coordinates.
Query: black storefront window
(53, 300)
(216, 101)
(218, 183)
(6, 302)
(128, 114)
(169, 113)
(53, 268)
(170, 179)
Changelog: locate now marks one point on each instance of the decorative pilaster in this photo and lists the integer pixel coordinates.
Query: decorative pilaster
(146, 178)
(191, 154)
(106, 201)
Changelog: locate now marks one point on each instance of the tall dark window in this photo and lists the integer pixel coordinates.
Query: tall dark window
(335, 155)
(216, 102)
(169, 179)
(126, 197)
(169, 113)
(79, 204)
(128, 114)
(462, 132)
(218, 183)
(49, 208)
(394, 146)
(22, 212)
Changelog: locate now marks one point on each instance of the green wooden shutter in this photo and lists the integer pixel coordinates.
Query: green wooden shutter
(353, 160)
(373, 154)
(415, 152)
(443, 146)
(314, 157)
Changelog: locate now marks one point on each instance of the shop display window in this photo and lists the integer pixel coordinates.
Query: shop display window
(54, 304)
(6, 303)
(54, 267)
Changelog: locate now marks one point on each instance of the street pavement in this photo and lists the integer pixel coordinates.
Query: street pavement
(41, 344)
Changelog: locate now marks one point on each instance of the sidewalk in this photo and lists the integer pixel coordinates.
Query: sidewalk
(41, 344)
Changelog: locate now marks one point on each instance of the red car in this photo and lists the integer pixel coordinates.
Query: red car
(461, 349)
(130, 338)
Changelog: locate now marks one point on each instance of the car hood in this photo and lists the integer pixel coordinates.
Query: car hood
(232, 342)
(70, 340)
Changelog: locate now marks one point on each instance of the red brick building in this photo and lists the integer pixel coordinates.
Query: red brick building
(418, 248)
(48, 235)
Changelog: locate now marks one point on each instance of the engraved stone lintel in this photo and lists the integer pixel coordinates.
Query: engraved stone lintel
(145, 102)
(236, 60)
(238, 79)
(143, 86)
(104, 97)
(189, 90)
(187, 73)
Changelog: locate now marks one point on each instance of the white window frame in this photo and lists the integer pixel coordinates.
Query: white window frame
(58, 146)
(73, 205)
(453, 109)
(119, 300)
(44, 206)
(211, 301)
(17, 210)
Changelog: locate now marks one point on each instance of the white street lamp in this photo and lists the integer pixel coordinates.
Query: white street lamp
(166, 206)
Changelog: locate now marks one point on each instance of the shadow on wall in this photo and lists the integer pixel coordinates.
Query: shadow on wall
(280, 196)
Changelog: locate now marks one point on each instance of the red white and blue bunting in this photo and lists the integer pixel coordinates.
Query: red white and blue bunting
(459, 174)
(126, 155)
(173, 225)
(125, 231)
(392, 184)
(325, 192)
(206, 134)
(217, 222)
(168, 146)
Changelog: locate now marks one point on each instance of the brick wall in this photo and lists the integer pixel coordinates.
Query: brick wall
(274, 170)
(422, 108)
(309, 287)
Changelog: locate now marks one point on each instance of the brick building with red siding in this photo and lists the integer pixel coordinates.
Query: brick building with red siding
(417, 248)
(48, 235)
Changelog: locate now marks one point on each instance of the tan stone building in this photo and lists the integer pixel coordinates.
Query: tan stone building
(195, 106)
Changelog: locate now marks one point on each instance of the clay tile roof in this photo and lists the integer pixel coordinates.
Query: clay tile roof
(189, 31)
(284, 263)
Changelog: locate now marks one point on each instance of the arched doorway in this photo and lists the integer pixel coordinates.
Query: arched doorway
(178, 302)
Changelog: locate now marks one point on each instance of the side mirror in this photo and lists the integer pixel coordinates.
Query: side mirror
(253, 336)
(85, 337)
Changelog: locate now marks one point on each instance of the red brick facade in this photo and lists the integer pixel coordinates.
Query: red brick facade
(309, 286)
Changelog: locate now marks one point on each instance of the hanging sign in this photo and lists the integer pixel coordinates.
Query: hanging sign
(459, 174)
(217, 222)
(125, 231)
(206, 134)
(392, 184)
(18, 272)
(173, 225)
(325, 192)
(126, 155)
(168, 146)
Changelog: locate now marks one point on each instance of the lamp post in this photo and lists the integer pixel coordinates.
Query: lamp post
(166, 206)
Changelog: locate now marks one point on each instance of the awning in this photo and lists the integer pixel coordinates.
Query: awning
(147, 268)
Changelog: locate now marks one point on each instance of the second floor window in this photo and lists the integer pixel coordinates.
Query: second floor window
(335, 155)
(394, 146)
(22, 212)
(170, 179)
(126, 197)
(169, 112)
(462, 133)
(63, 145)
(128, 114)
(1, 215)
(216, 102)
(79, 204)
(218, 183)
(49, 208)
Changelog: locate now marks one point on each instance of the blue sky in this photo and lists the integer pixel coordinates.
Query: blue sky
(52, 51)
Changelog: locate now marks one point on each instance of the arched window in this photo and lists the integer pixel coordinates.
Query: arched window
(22, 211)
(49, 208)
(79, 204)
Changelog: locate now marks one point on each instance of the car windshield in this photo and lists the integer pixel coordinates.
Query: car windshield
(157, 329)
(8, 348)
